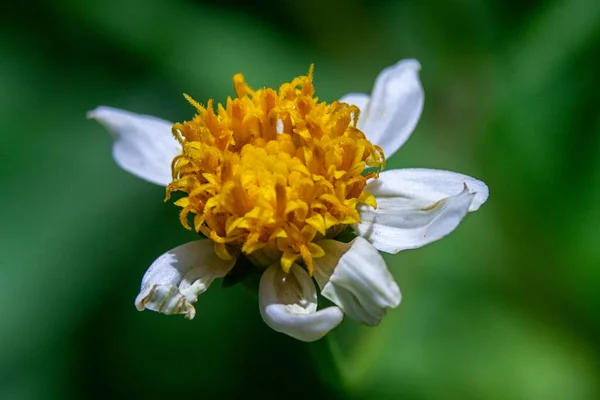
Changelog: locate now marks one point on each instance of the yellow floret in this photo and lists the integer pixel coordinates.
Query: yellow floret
(272, 171)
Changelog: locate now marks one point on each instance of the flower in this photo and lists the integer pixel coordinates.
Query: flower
(274, 177)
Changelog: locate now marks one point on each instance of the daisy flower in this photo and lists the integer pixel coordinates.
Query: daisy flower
(270, 180)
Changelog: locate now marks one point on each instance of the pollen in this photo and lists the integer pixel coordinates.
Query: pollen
(272, 171)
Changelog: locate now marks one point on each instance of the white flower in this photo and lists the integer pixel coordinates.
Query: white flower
(255, 197)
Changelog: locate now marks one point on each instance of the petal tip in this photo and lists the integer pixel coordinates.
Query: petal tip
(98, 113)
(165, 299)
(410, 63)
(288, 304)
(305, 327)
(480, 192)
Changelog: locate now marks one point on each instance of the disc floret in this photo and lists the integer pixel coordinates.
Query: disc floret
(271, 171)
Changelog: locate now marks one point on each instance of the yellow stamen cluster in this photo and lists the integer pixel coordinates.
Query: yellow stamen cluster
(272, 171)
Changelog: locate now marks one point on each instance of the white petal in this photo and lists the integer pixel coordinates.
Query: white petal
(175, 279)
(354, 276)
(288, 304)
(427, 184)
(144, 145)
(394, 108)
(399, 223)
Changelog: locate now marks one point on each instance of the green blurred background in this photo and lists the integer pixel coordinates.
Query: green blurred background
(506, 307)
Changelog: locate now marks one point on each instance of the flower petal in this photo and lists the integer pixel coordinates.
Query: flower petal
(144, 145)
(355, 277)
(288, 304)
(394, 108)
(399, 223)
(427, 184)
(175, 279)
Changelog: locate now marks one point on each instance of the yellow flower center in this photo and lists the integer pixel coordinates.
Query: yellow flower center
(272, 171)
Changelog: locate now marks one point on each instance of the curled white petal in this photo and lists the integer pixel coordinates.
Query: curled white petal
(391, 113)
(428, 185)
(175, 279)
(144, 145)
(399, 223)
(355, 277)
(288, 304)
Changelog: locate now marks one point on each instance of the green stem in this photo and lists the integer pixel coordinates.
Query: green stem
(331, 363)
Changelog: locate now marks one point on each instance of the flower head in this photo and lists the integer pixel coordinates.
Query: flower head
(275, 176)
(271, 171)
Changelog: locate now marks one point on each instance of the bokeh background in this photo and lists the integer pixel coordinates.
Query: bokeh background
(507, 307)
